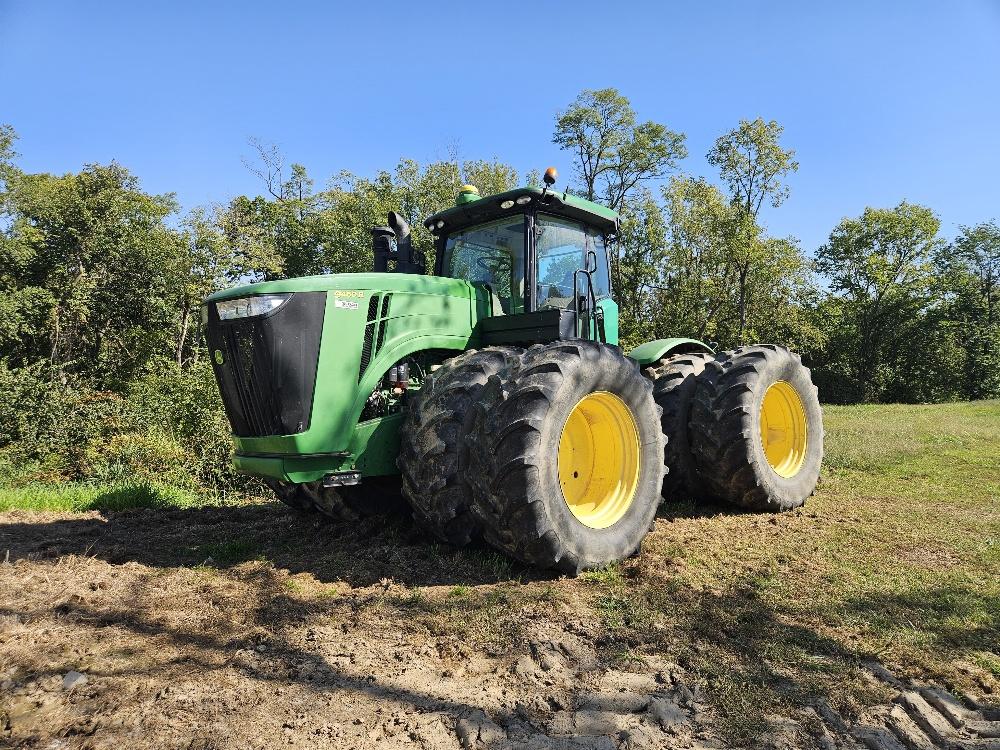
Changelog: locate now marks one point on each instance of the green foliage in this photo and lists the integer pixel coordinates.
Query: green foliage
(969, 284)
(87, 258)
(167, 426)
(613, 153)
(879, 264)
(753, 165)
(84, 496)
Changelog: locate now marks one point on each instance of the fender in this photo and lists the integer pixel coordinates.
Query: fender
(653, 351)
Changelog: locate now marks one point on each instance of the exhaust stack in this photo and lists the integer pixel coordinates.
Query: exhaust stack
(407, 259)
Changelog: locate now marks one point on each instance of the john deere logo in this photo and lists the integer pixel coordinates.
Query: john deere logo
(219, 359)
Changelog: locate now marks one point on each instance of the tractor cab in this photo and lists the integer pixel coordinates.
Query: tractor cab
(539, 258)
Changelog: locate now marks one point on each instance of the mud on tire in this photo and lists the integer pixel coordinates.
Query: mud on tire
(674, 390)
(431, 435)
(513, 451)
(726, 429)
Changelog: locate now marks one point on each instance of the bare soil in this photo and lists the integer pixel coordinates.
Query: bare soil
(253, 627)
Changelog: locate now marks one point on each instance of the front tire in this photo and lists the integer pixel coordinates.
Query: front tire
(431, 435)
(565, 457)
(291, 495)
(757, 428)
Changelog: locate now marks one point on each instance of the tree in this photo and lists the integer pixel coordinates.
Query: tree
(202, 265)
(85, 257)
(613, 154)
(699, 274)
(7, 153)
(753, 166)
(969, 285)
(879, 263)
(637, 260)
(699, 293)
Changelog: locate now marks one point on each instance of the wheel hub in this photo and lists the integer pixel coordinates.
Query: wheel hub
(599, 459)
(783, 429)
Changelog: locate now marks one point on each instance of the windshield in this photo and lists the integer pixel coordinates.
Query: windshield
(491, 254)
(562, 246)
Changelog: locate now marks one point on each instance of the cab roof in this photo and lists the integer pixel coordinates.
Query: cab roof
(561, 204)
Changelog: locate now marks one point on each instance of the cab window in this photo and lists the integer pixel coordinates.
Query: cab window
(491, 255)
(562, 246)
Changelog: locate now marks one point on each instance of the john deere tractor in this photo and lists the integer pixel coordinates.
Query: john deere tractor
(492, 394)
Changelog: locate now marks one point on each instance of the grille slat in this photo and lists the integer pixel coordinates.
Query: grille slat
(366, 350)
(267, 372)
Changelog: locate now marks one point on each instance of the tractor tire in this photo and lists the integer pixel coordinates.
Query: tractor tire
(565, 457)
(757, 429)
(291, 495)
(674, 388)
(374, 496)
(328, 501)
(431, 435)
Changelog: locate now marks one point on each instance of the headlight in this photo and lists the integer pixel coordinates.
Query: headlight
(250, 307)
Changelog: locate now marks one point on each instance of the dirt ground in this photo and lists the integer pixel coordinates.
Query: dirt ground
(255, 627)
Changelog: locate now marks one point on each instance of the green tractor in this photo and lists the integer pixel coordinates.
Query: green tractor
(493, 394)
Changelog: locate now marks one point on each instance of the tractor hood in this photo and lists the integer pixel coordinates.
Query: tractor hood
(413, 283)
(296, 371)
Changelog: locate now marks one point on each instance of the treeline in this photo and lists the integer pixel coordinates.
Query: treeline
(102, 366)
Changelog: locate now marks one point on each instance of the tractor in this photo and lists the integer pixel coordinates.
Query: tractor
(492, 393)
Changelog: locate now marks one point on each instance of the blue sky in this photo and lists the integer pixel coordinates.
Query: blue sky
(882, 101)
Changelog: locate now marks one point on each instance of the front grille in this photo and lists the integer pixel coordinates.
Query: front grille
(267, 372)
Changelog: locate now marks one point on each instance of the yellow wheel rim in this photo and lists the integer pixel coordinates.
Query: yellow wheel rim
(599, 460)
(783, 429)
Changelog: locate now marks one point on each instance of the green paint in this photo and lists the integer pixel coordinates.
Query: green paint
(376, 445)
(610, 309)
(426, 312)
(652, 351)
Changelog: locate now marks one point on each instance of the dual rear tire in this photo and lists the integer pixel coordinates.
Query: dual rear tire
(565, 458)
(557, 456)
(746, 427)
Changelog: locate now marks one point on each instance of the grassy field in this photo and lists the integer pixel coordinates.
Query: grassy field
(896, 559)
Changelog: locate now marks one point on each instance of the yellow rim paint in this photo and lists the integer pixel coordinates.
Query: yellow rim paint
(599, 460)
(784, 429)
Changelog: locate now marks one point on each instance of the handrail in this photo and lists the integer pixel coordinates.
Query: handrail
(590, 296)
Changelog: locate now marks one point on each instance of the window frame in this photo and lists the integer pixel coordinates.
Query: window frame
(533, 255)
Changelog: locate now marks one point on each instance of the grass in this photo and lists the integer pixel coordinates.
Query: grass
(895, 558)
(108, 497)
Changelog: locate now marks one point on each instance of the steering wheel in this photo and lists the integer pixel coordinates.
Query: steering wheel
(481, 262)
(564, 291)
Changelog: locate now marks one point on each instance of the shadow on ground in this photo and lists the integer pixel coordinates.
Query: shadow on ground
(357, 552)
